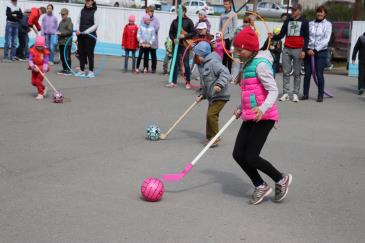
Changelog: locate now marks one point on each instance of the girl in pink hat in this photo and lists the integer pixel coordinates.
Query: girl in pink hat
(259, 113)
(38, 60)
(130, 42)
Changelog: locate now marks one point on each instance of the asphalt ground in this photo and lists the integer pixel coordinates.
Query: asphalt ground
(72, 172)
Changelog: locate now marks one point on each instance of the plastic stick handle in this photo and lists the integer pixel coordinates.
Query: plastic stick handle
(181, 117)
(213, 140)
(45, 77)
(174, 56)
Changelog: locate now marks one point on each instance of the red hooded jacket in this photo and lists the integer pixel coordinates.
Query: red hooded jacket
(129, 39)
(34, 18)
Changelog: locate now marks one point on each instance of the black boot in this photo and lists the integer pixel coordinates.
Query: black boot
(304, 97)
(320, 99)
(361, 91)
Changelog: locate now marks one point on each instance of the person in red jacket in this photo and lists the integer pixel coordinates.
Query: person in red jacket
(33, 19)
(130, 42)
(38, 61)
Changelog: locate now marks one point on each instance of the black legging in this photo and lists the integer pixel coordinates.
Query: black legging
(86, 50)
(153, 59)
(145, 52)
(250, 140)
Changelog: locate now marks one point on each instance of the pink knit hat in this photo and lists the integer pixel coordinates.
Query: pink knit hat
(247, 39)
(40, 41)
(132, 18)
(146, 17)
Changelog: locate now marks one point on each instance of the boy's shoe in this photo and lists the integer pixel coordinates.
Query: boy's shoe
(137, 70)
(284, 97)
(80, 74)
(260, 193)
(145, 70)
(62, 72)
(304, 97)
(282, 187)
(67, 73)
(215, 144)
(164, 72)
(51, 63)
(90, 74)
(320, 99)
(39, 97)
(295, 98)
(45, 92)
(153, 71)
(361, 91)
(188, 86)
(170, 85)
(6, 60)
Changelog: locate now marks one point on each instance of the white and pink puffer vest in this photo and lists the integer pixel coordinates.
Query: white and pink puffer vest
(253, 90)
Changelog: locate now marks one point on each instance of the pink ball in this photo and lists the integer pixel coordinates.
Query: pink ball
(152, 189)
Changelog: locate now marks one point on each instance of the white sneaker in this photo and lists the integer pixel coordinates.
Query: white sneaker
(295, 98)
(39, 97)
(284, 97)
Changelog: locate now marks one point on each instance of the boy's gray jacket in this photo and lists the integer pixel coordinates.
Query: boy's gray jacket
(212, 72)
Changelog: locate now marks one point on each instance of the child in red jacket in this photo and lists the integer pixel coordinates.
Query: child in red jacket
(38, 60)
(129, 42)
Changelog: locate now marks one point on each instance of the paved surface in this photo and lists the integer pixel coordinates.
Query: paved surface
(71, 172)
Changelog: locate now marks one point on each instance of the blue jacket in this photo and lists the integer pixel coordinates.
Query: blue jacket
(146, 34)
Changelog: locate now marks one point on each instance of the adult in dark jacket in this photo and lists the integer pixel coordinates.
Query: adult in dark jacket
(88, 24)
(188, 31)
(13, 16)
(22, 50)
(296, 31)
(360, 48)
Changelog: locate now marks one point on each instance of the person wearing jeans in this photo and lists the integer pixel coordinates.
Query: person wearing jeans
(13, 16)
(229, 30)
(319, 35)
(130, 42)
(296, 30)
(187, 33)
(156, 26)
(360, 48)
(49, 30)
(64, 32)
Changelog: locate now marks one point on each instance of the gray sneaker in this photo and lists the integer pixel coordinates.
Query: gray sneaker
(281, 188)
(5, 60)
(260, 193)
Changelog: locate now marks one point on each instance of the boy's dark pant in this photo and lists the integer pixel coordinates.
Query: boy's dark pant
(361, 80)
(66, 60)
(153, 59)
(227, 61)
(213, 118)
(21, 51)
(145, 51)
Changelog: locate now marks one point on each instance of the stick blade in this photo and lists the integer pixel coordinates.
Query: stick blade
(173, 177)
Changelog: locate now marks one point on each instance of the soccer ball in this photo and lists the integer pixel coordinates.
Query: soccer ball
(152, 189)
(57, 97)
(153, 132)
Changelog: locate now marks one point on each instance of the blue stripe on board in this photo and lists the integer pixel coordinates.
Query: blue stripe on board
(103, 48)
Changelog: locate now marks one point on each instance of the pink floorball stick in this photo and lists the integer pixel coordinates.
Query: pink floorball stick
(179, 176)
(152, 189)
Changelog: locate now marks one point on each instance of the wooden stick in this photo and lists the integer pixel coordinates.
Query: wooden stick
(164, 136)
(44, 76)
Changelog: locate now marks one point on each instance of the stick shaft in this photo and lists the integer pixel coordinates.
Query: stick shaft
(179, 28)
(213, 140)
(45, 77)
(181, 117)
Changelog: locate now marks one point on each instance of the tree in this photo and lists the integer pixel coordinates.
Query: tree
(357, 10)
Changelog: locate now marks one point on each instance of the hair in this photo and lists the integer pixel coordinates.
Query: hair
(183, 9)
(43, 10)
(50, 5)
(150, 9)
(321, 9)
(227, 1)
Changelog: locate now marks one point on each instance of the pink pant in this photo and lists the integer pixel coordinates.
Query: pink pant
(37, 81)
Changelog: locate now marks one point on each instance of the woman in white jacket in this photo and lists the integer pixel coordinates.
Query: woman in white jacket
(320, 31)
